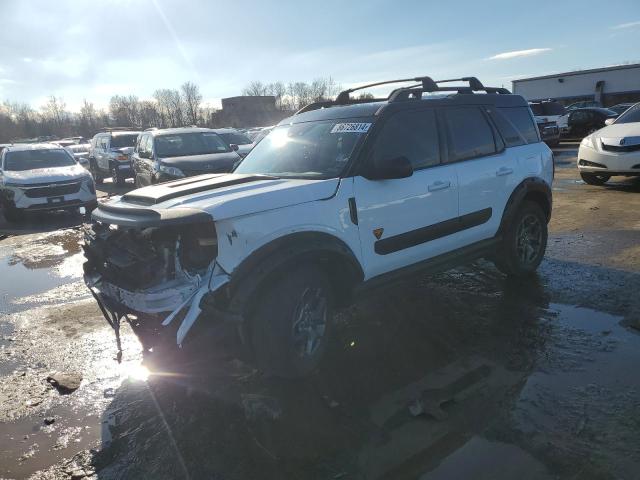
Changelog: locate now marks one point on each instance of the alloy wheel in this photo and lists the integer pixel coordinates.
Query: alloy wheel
(529, 239)
(310, 321)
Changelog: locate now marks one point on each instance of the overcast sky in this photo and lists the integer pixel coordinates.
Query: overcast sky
(94, 49)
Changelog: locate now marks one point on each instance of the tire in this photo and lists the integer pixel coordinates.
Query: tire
(595, 178)
(116, 177)
(524, 242)
(95, 173)
(13, 215)
(290, 322)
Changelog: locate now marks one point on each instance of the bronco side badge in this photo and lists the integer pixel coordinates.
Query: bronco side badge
(378, 232)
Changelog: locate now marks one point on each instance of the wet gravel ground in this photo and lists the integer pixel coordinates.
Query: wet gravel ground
(459, 375)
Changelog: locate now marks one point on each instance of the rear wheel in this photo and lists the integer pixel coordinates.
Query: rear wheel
(524, 242)
(594, 178)
(116, 177)
(291, 322)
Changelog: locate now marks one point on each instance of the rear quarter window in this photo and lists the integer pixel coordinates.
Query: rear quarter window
(470, 134)
(520, 120)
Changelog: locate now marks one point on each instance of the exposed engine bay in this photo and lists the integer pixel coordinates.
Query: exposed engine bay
(159, 269)
(137, 259)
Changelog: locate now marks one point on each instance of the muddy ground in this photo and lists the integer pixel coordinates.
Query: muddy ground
(536, 380)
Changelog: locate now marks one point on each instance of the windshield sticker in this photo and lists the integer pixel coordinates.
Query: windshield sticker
(350, 128)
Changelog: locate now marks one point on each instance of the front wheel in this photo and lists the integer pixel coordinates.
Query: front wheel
(524, 242)
(13, 215)
(95, 172)
(594, 178)
(291, 321)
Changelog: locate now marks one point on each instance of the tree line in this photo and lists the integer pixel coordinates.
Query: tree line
(167, 108)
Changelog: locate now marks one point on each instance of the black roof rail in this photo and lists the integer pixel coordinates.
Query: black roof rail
(118, 129)
(415, 91)
(426, 84)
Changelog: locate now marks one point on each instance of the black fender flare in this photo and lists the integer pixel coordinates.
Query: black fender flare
(290, 250)
(532, 188)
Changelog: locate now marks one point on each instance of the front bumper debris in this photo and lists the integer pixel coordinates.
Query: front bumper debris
(116, 303)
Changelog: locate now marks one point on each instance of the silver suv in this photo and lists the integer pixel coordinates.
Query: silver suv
(110, 155)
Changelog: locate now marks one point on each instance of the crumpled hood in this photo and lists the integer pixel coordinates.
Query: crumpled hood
(620, 131)
(222, 196)
(44, 175)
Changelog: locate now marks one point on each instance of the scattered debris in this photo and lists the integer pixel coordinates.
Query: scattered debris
(330, 402)
(49, 420)
(260, 406)
(65, 382)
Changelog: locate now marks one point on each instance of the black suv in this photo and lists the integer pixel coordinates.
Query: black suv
(168, 154)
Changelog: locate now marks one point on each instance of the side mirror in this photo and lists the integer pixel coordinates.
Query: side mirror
(234, 147)
(609, 121)
(390, 168)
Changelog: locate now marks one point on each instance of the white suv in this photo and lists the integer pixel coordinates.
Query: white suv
(36, 177)
(341, 197)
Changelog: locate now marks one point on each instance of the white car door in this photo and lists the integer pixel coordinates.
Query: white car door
(403, 221)
(485, 170)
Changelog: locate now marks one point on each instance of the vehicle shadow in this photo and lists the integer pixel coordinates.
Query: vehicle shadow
(206, 415)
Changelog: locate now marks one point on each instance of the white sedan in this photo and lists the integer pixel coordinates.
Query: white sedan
(612, 150)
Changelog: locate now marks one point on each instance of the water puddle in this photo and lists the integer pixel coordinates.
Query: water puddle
(481, 459)
(30, 268)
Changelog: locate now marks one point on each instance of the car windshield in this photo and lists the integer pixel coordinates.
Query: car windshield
(187, 144)
(236, 138)
(306, 150)
(34, 159)
(121, 141)
(631, 115)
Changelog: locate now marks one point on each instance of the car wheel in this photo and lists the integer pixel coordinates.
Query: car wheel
(594, 178)
(13, 215)
(524, 242)
(290, 322)
(95, 173)
(116, 178)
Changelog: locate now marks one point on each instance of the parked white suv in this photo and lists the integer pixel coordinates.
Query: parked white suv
(341, 197)
(42, 177)
(612, 150)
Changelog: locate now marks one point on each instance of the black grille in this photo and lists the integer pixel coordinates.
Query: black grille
(620, 148)
(53, 190)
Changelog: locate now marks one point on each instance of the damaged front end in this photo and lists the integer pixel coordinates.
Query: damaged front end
(137, 266)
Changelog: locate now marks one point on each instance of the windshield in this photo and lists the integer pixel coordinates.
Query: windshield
(187, 144)
(121, 141)
(236, 138)
(631, 115)
(314, 149)
(34, 159)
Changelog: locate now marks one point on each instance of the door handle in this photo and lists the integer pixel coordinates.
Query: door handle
(438, 185)
(504, 171)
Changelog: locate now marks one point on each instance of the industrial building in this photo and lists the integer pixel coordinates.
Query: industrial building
(608, 85)
(248, 111)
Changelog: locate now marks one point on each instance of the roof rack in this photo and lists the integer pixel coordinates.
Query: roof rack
(119, 129)
(426, 84)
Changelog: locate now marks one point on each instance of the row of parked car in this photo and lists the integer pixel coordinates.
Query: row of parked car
(61, 175)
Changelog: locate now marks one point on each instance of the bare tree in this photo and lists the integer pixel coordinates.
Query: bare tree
(170, 107)
(255, 89)
(125, 111)
(191, 99)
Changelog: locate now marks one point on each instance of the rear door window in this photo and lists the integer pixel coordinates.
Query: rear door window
(521, 120)
(411, 134)
(469, 133)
